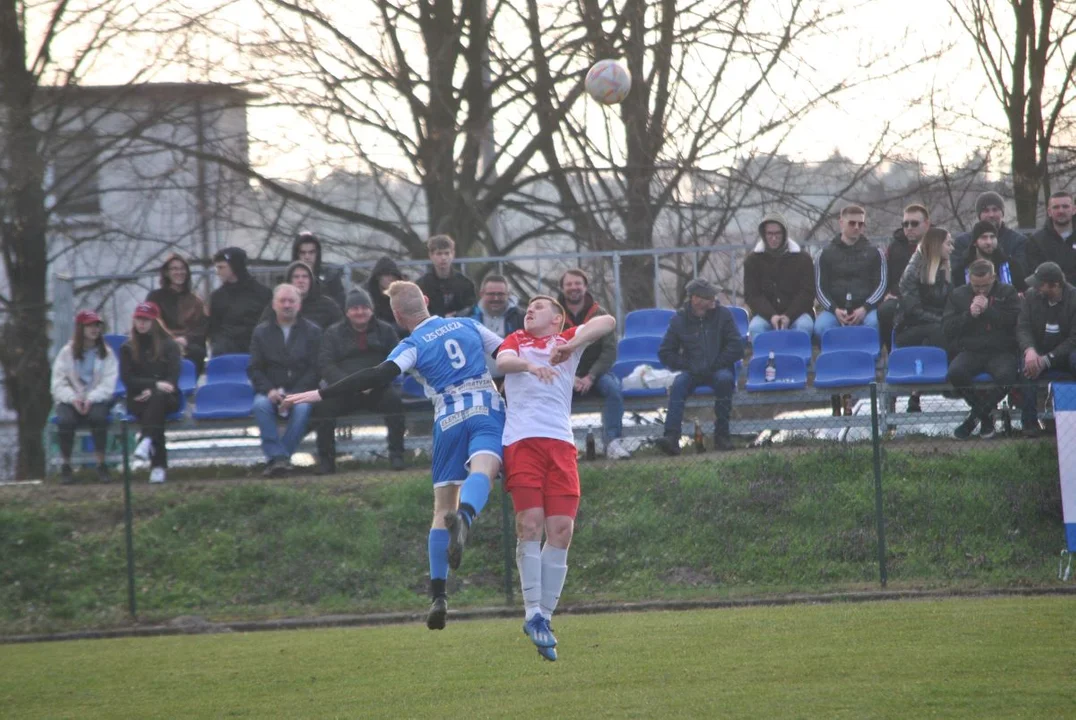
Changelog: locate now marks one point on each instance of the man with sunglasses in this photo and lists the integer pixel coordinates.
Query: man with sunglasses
(850, 276)
(901, 248)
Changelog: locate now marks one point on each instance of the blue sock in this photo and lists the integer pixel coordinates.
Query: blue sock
(473, 495)
(438, 549)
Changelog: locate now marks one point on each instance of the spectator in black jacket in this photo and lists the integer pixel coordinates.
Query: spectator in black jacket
(283, 359)
(1008, 270)
(450, 292)
(905, 240)
(183, 313)
(850, 276)
(702, 342)
(1055, 242)
(149, 367)
(316, 307)
(356, 343)
(594, 376)
(990, 206)
(778, 281)
(980, 327)
(307, 248)
(1046, 331)
(236, 306)
(924, 290)
(385, 272)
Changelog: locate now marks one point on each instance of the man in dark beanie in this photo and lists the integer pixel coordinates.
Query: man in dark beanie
(989, 207)
(702, 342)
(984, 246)
(357, 342)
(236, 306)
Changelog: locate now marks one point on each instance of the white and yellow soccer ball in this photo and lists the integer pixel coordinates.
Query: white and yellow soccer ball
(608, 82)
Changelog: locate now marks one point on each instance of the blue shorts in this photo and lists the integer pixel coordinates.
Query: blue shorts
(458, 437)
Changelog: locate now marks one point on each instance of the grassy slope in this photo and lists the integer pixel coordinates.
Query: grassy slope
(647, 529)
(952, 658)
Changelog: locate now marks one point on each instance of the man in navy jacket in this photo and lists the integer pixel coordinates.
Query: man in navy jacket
(702, 342)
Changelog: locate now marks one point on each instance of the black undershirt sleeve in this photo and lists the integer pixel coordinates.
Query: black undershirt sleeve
(362, 380)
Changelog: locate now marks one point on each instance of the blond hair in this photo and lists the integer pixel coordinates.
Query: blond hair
(931, 247)
(407, 299)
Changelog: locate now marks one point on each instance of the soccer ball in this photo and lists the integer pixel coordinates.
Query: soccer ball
(608, 82)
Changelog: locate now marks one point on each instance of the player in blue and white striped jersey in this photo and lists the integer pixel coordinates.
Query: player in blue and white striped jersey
(448, 357)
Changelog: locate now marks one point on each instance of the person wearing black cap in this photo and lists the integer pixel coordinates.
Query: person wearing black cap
(703, 344)
(980, 329)
(1046, 331)
(1009, 271)
(236, 306)
(990, 207)
(83, 385)
(1055, 241)
(330, 278)
(358, 342)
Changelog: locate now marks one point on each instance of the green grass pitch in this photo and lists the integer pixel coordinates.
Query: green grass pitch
(1006, 657)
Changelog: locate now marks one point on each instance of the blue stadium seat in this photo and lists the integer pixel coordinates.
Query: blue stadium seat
(640, 349)
(623, 368)
(901, 369)
(647, 323)
(783, 342)
(223, 400)
(852, 337)
(115, 342)
(739, 314)
(791, 374)
(843, 368)
(188, 377)
(227, 368)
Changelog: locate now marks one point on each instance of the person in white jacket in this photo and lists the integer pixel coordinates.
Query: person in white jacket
(83, 385)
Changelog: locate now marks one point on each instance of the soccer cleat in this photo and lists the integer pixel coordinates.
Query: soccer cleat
(964, 429)
(539, 632)
(548, 653)
(987, 430)
(457, 528)
(435, 618)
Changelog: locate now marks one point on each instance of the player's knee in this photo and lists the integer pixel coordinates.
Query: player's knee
(558, 531)
(529, 524)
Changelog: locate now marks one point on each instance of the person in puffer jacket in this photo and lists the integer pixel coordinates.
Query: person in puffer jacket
(924, 290)
(850, 276)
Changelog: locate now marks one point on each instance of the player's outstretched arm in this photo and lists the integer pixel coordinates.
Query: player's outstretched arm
(587, 333)
(356, 382)
(510, 362)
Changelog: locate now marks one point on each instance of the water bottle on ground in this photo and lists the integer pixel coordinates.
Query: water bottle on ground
(918, 367)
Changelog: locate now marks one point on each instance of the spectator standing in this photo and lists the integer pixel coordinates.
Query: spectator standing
(850, 276)
(1046, 331)
(316, 307)
(778, 281)
(990, 207)
(385, 272)
(183, 313)
(704, 345)
(496, 311)
(924, 290)
(980, 328)
(236, 306)
(330, 278)
(593, 376)
(283, 359)
(1055, 242)
(149, 367)
(83, 388)
(905, 241)
(358, 342)
(450, 292)
(1008, 270)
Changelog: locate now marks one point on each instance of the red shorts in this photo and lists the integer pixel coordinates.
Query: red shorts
(542, 472)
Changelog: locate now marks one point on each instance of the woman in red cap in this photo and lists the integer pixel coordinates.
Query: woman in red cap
(83, 386)
(149, 366)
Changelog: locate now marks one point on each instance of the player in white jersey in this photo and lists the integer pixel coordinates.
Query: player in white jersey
(448, 356)
(539, 363)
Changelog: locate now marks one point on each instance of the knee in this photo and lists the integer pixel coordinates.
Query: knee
(263, 405)
(758, 325)
(558, 531)
(871, 319)
(724, 381)
(529, 524)
(681, 385)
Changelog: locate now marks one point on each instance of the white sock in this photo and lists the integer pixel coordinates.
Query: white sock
(529, 562)
(554, 570)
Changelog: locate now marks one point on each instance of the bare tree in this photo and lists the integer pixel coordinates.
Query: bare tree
(1027, 50)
